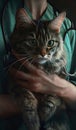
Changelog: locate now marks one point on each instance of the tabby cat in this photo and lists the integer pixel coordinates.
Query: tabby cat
(42, 45)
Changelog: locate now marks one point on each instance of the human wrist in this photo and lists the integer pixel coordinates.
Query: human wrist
(69, 95)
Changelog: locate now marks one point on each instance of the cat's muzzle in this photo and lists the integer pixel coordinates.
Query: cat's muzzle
(43, 63)
(40, 61)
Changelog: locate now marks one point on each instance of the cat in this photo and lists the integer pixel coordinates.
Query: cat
(41, 44)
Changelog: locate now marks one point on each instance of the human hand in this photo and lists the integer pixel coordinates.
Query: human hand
(37, 80)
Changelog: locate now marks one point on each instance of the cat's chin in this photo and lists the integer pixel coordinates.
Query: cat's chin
(40, 61)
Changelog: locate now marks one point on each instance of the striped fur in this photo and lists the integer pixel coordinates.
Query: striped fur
(42, 45)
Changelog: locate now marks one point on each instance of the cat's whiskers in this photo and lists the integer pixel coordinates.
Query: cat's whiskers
(27, 59)
(24, 57)
(12, 64)
(33, 59)
(22, 54)
(29, 56)
(15, 61)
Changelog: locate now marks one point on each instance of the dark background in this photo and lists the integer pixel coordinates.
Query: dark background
(68, 5)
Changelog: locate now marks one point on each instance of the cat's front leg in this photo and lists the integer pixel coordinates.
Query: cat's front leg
(53, 114)
(60, 121)
(29, 111)
(48, 107)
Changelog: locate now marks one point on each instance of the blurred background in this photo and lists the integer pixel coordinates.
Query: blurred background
(68, 5)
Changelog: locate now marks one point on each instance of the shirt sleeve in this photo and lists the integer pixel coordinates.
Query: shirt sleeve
(69, 36)
(73, 60)
(2, 53)
(2, 72)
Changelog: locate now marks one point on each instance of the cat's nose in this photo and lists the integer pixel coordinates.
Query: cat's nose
(43, 52)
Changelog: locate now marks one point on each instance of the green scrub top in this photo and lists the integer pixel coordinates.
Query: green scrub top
(9, 22)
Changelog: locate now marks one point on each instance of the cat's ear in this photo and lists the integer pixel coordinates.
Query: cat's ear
(56, 23)
(23, 19)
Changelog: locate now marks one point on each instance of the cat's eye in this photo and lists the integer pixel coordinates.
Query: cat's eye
(51, 43)
(33, 42)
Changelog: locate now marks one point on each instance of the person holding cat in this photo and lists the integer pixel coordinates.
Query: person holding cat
(60, 87)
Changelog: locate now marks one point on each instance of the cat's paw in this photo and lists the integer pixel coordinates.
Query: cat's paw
(46, 112)
(48, 107)
(31, 120)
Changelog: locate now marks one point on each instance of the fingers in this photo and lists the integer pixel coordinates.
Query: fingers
(31, 82)
(15, 74)
(35, 87)
(25, 80)
(31, 68)
(19, 75)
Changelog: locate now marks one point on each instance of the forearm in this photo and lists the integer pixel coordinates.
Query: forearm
(40, 82)
(69, 95)
(7, 106)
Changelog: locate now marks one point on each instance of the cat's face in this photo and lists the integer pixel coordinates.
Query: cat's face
(38, 42)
